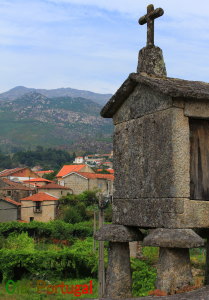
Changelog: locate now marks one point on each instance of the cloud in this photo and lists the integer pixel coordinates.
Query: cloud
(93, 45)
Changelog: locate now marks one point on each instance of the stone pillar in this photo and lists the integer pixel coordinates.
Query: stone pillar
(174, 267)
(118, 277)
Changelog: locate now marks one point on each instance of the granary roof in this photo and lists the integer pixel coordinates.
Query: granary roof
(170, 86)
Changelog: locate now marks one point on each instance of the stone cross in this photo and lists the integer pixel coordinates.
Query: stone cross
(149, 19)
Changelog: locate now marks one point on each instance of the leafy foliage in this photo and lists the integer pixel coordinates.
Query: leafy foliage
(19, 242)
(54, 229)
(48, 158)
(143, 276)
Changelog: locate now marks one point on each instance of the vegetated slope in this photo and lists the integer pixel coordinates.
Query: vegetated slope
(19, 91)
(64, 122)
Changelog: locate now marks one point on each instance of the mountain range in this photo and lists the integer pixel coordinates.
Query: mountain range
(61, 118)
(19, 91)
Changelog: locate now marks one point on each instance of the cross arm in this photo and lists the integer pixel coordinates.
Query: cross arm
(153, 15)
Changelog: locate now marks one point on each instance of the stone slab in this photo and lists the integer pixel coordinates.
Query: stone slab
(152, 156)
(173, 238)
(148, 212)
(197, 109)
(118, 233)
(161, 213)
(142, 101)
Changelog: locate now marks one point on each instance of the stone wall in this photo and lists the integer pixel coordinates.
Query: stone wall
(48, 212)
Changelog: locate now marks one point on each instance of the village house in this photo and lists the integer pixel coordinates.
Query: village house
(14, 190)
(67, 169)
(9, 209)
(55, 189)
(18, 174)
(85, 181)
(79, 160)
(41, 207)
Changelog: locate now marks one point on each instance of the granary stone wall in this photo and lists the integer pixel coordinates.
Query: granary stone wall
(152, 161)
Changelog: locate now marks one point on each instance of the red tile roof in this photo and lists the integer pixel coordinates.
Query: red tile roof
(11, 201)
(69, 169)
(111, 171)
(11, 185)
(22, 221)
(54, 186)
(40, 197)
(8, 172)
(93, 175)
(37, 180)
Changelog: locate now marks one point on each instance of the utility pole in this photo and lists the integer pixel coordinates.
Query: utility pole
(95, 228)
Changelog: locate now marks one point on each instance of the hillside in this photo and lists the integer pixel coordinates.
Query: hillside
(20, 91)
(64, 122)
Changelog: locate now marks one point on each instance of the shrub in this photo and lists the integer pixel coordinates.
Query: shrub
(19, 242)
(143, 276)
(71, 215)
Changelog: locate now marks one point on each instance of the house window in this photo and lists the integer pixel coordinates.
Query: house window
(31, 219)
(9, 193)
(37, 208)
(61, 192)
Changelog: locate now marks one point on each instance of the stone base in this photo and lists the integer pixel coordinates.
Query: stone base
(118, 277)
(174, 269)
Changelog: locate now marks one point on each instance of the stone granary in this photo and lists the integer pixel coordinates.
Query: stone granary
(161, 162)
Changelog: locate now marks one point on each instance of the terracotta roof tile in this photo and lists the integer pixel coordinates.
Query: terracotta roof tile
(11, 201)
(37, 180)
(8, 172)
(69, 169)
(40, 197)
(54, 186)
(14, 185)
(94, 176)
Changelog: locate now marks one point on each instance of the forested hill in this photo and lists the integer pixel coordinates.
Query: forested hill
(69, 123)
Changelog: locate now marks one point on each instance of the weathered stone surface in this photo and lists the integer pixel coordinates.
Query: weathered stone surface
(118, 279)
(152, 156)
(151, 61)
(118, 233)
(142, 101)
(197, 109)
(173, 238)
(174, 269)
(147, 212)
(175, 88)
(161, 213)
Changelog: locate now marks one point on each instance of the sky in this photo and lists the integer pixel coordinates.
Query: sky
(93, 44)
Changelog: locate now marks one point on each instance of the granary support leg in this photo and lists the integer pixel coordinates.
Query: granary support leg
(174, 267)
(118, 276)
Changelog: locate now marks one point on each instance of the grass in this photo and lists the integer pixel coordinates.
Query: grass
(26, 289)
